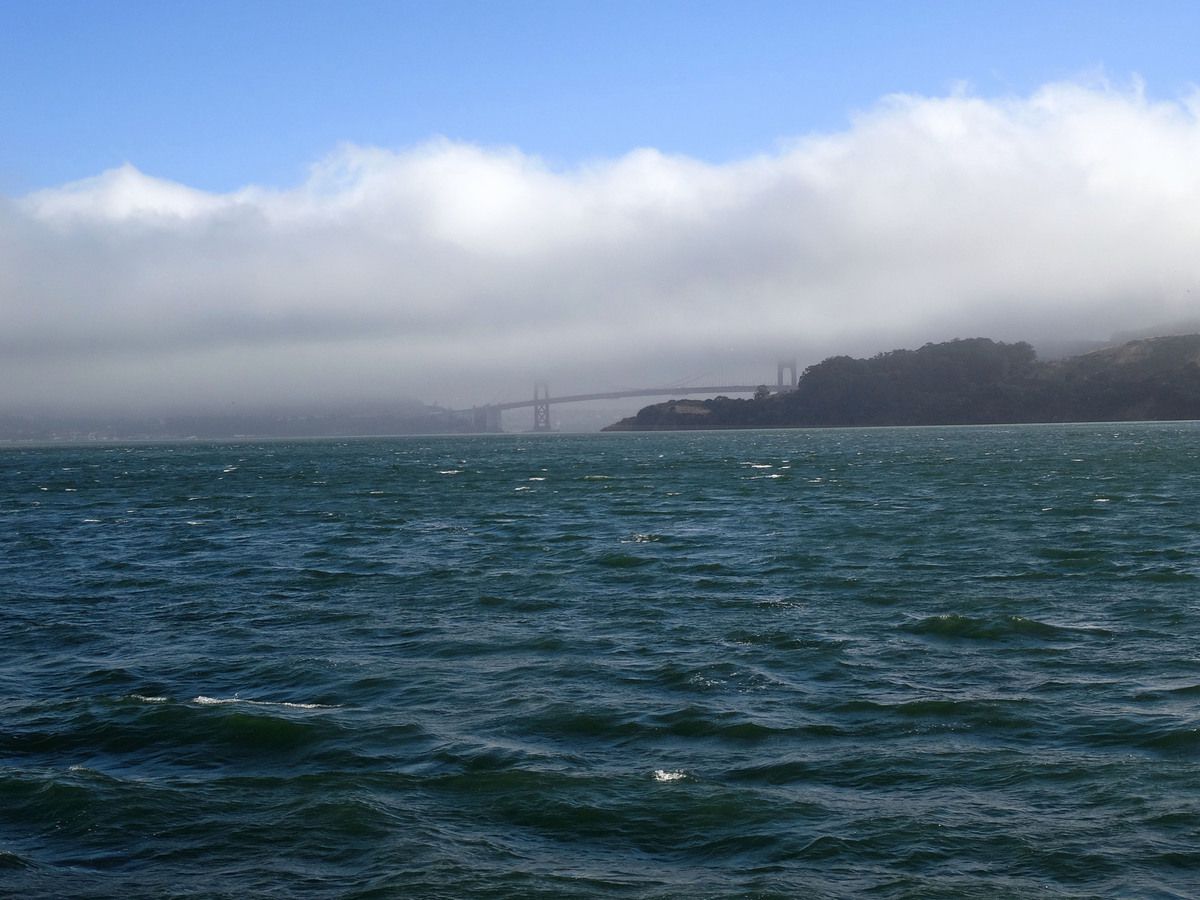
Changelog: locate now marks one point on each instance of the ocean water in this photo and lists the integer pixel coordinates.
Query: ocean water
(932, 662)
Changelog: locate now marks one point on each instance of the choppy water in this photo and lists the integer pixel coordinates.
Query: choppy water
(892, 663)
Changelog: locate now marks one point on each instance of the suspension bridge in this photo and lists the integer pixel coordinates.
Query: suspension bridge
(487, 419)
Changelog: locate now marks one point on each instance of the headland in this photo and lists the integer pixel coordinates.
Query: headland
(975, 381)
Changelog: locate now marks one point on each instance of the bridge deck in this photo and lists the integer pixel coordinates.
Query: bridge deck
(636, 392)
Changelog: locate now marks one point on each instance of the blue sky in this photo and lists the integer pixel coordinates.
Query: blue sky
(220, 94)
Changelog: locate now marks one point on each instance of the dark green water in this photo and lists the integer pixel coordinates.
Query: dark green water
(888, 663)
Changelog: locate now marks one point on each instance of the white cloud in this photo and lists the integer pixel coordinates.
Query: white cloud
(121, 195)
(455, 272)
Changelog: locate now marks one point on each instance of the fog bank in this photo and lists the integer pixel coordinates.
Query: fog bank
(456, 273)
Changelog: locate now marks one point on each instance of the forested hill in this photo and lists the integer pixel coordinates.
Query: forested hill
(962, 382)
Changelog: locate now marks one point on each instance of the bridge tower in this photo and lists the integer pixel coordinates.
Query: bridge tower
(789, 366)
(541, 406)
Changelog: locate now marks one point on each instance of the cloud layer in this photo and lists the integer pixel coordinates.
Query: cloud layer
(458, 273)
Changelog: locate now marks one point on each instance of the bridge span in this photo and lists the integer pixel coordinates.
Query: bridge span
(487, 418)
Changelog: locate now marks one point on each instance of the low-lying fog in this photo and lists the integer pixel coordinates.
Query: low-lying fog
(457, 274)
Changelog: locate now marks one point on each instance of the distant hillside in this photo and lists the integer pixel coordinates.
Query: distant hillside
(963, 382)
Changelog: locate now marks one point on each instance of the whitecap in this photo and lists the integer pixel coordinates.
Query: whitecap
(664, 775)
(536, 478)
(144, 699)
(91, 521)
(202, 700)
(449, 471)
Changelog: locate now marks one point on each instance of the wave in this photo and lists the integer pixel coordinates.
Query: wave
(939, 713)
(623, 561)
(786, 640)
(668, 776)
(1174, 741)
(956, 626)
(283, 704)
(10, 860)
